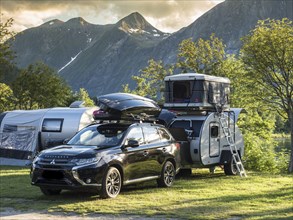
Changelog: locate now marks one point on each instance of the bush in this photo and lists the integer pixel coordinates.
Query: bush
(260, 155)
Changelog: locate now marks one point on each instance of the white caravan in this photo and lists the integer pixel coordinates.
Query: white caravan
(24, 132)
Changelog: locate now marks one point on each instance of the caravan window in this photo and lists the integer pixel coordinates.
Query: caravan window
(52, 125)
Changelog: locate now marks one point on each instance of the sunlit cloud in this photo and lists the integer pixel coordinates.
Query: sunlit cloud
(166, 15)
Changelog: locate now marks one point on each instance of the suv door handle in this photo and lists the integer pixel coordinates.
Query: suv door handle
(145, 153)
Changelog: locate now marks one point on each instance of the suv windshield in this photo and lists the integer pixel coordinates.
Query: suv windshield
(99, 136)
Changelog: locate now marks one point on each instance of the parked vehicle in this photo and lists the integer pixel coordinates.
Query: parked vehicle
(203, 122)
(107, 156)
(25, 132)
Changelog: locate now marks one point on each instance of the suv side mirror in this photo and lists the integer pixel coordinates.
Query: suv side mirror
(132, 143)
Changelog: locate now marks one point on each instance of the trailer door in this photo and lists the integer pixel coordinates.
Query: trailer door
(214, 139)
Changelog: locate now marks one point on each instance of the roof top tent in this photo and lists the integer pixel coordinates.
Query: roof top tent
(204, 123)
(194, 91)
(24, 132)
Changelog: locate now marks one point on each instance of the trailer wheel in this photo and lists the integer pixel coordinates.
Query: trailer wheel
(167, 175)
(50, 192)
(230, 168)
(111, 184)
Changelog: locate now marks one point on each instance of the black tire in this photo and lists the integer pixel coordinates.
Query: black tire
(50, 192)
(230, 168)
(167, 175)
(111, 184)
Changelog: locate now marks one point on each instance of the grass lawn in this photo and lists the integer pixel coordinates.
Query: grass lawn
(200, 196)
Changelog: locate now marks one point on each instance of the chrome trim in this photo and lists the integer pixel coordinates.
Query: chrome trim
(76, 177)
(141, 179)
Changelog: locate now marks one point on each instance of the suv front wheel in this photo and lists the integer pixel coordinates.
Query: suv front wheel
(111, 184)
(167, 175)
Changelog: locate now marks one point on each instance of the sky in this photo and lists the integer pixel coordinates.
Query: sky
(165, 15)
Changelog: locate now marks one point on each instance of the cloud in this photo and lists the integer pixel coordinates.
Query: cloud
(166, 15)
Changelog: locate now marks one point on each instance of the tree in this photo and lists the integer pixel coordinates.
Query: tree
(267, 53)
(257, 125)
(151, 80)
(83, 95)
(39, 86)
(202, 56)
(6, 55)
(6, 98)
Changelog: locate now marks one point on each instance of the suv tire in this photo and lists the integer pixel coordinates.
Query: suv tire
(111, 184)
(167, 175)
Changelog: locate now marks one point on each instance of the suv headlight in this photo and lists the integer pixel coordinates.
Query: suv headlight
(36, 159)
(83, 161)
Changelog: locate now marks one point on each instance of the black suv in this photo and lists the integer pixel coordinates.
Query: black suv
(107, 156)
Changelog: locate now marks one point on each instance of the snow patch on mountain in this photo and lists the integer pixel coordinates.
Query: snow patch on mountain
(67, 64)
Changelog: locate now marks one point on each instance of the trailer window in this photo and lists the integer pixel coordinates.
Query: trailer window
(52, 125)
(214, 131)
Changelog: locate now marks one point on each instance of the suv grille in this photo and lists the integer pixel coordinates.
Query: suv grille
(55, 160)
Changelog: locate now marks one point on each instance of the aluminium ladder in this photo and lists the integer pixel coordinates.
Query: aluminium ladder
(231, 142)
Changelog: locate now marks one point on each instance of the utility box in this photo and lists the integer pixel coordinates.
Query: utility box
(196, 91)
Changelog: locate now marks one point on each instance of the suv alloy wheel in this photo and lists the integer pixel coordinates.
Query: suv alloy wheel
(111, 185)
(168, 175)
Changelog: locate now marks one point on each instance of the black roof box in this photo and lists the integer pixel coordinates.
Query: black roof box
(119, 106)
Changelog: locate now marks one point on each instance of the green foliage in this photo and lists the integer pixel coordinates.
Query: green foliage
(151, 80)
(208, 57)
(282, 125)
(6, 98)
(202, 56)
(260, 154)
(38, 86)
(83, 95)
(267, 54)
(6, 55)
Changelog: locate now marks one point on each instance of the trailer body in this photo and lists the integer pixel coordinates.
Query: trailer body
(198, 103)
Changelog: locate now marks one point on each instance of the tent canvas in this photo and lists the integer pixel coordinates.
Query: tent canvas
(18, 139)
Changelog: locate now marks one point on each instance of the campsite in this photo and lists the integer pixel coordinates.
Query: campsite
(170, 109)
(200, 196)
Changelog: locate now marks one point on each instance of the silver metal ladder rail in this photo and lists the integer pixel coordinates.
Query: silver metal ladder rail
(231, 142)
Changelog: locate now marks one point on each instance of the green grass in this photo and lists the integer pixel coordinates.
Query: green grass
(201, 196)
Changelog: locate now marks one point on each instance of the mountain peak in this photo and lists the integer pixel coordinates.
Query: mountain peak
(134, 21)
(77, 21)
(52, 22)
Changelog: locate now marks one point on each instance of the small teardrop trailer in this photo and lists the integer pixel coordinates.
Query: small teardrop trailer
(204, 124)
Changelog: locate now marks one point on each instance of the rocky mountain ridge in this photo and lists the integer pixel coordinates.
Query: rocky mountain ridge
(100, 58)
